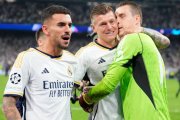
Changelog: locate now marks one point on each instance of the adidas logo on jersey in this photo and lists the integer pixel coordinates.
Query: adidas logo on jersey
(45, 71)
(101, 61)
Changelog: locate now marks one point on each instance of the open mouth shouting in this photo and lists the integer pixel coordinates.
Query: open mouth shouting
(66, 37)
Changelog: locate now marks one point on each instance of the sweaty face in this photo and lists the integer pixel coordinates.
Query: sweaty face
(126, 20)
(59, 30)
(105, 26)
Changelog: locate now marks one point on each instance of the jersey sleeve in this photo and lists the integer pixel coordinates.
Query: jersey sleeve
(129, 47)
(82, 64)
(18, 77)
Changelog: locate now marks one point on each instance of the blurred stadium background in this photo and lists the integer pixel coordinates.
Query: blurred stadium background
(19, 19)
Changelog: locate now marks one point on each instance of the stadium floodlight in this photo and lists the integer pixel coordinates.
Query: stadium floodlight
(10, 1)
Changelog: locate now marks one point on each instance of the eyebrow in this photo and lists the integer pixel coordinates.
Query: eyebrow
(64, 23)
(61, 23)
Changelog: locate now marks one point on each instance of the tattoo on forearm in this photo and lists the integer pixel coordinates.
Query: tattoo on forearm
(160, 40)
(9, 108)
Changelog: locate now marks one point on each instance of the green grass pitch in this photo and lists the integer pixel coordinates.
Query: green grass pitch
(79, 114)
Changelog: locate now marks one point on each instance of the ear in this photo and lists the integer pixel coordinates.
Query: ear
(93, 28)
(138, 19)
(45, 29)
(39, 42)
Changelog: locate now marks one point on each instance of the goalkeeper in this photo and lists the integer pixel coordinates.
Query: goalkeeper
(138, 68)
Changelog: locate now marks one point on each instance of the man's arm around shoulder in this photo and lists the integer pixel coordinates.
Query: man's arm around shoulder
(160, 40)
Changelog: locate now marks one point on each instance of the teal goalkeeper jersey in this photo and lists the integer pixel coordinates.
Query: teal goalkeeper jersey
(139, 68)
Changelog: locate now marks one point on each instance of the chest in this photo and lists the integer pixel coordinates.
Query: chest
(52, 72)
(100, 61)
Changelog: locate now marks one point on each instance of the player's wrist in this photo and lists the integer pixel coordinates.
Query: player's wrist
(87, 99)
(86, 103)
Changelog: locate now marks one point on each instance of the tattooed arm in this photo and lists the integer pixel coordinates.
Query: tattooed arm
(9, 108)
(160, 40)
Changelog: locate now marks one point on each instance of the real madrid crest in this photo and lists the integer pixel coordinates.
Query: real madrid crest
(69, 71)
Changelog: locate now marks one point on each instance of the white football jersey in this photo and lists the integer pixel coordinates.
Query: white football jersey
(95, 59)
(47, 82)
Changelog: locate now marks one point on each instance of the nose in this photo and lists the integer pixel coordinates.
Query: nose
(118, 20)
(119, 24)
(68, 29)
(109, 26)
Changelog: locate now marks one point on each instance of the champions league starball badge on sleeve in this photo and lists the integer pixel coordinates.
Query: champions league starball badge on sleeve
(15, 78)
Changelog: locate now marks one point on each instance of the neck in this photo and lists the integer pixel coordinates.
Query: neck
(108, 44)
(138, 29)
(51, 50)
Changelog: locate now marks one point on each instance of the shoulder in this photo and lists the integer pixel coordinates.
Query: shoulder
(26, 53)
(23, 57)
(67, 53)
(130, 39)
(86, 49)
(135, 38)
(30, 50)
(68, 56)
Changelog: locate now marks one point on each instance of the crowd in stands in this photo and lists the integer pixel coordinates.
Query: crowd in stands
(155, 15)
(12, 44)
(171, 54)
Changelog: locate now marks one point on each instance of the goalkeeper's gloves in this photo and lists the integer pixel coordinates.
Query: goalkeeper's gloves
(85, 103)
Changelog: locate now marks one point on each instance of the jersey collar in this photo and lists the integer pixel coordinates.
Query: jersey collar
(51, 56)
(104, 46)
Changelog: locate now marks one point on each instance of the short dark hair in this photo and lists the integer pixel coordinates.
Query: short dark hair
(100, 9)
(38, 34)
(54, 9)
(136, 8)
